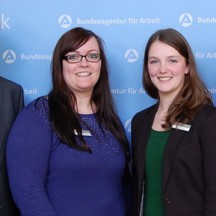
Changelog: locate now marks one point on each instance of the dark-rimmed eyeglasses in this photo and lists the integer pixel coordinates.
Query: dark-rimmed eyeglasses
(75, 58)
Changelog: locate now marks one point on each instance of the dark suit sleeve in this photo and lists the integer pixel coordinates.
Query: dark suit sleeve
(19, 97)
(12, 101)
(208, 144)
(16, 97)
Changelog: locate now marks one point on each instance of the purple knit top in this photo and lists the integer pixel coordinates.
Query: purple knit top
(49, 178)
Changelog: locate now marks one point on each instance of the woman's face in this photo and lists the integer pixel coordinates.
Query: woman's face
(82, 76)
(167, 68)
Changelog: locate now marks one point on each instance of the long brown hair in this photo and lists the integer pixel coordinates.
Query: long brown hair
(194, 93)
(62, 101)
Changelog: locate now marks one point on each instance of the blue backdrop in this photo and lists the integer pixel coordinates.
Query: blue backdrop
(29, 31)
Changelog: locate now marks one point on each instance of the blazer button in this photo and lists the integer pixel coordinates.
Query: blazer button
(168, 200)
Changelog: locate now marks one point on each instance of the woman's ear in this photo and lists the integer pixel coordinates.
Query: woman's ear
(187, 71)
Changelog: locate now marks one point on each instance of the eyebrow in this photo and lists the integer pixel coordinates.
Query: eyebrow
(172, 56)
(91, 50)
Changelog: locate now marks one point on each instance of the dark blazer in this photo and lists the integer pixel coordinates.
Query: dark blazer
(11, 102)
(189, 164)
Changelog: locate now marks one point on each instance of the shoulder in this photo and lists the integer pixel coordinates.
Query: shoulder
(204, 122)
(38, 107)
(206, 116)
(13, 92)
(41, 103)
(5, 83)
(206, 111)
(145, 113)
(143, 119)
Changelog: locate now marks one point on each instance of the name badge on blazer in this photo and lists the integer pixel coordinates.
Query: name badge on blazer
(181, 126)
(84, 132)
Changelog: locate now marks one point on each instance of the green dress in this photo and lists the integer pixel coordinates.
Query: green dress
(153, 204)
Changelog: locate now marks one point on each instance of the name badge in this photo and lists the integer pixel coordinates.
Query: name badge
(181, 126)
(84, 132)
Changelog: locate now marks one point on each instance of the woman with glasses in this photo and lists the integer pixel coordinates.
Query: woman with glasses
(67, 152)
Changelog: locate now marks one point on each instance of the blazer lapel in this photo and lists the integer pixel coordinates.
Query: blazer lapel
(145, 125)
(173, 142)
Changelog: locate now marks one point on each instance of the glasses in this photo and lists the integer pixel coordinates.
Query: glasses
(75, 58)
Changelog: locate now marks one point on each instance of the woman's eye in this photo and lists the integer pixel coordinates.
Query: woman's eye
(72, 57)
(93, 55)
(173, 60)
(153, 61)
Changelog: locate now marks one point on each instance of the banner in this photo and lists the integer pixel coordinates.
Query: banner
(29, 31)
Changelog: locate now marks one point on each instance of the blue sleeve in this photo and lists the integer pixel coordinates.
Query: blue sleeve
(28, 149)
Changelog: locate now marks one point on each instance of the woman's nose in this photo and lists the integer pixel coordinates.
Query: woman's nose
(163, 68)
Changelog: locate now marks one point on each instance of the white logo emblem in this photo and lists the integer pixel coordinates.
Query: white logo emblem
(128, 125)
(65, 21)
(9, 56)
(131, 55)
(186, 20)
